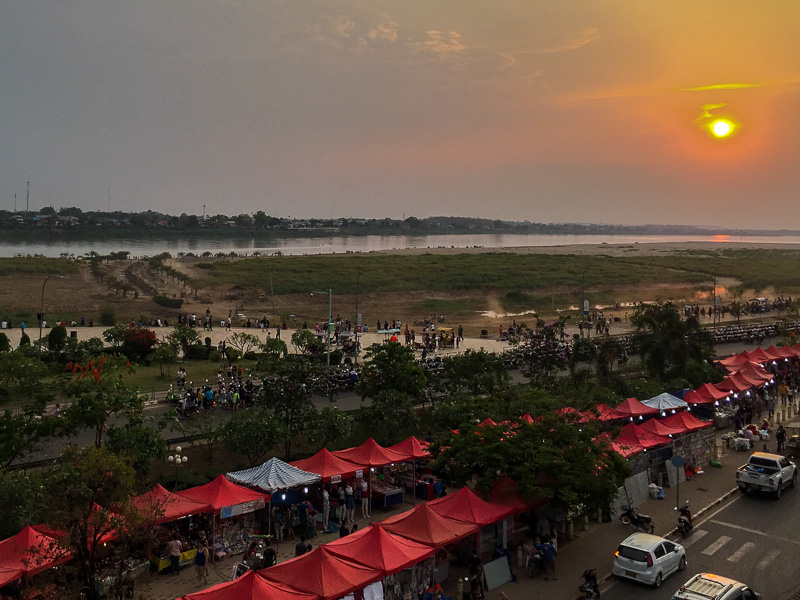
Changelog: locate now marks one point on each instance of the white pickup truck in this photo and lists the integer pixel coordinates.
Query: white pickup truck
(765, 471)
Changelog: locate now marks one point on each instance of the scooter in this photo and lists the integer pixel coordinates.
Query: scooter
(589, 588)
(638, 520)
(685, 524)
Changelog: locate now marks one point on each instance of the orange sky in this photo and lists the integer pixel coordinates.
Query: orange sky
(525, 109)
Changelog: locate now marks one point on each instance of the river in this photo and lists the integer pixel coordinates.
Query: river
(339, 244)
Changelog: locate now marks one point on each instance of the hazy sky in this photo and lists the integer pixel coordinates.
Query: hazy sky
(547, 110)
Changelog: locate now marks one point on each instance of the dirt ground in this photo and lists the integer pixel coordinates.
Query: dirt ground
(70, 298)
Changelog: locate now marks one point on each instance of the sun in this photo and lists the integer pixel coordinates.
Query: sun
(721, 128)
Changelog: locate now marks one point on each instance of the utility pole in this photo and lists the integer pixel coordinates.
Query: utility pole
(28, 200)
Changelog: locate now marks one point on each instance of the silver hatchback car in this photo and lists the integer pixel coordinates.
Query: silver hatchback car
(648, 558)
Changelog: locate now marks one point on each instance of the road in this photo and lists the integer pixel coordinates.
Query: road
(751, 538)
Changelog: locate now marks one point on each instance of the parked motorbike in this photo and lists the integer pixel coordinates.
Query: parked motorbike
(589, 588)
(638, 520)
(685, 524)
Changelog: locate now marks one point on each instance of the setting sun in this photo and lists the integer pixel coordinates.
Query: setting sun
(721, 128)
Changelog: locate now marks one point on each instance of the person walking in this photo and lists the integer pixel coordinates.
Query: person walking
(201, 563)
(270, 556)
(780, 437)
(549, 553)
(175, 548)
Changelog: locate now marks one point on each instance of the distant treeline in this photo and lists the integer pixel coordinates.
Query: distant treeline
(75, 222)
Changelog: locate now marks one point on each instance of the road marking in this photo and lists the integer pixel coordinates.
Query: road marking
(771, 555)
(721, 541)
(756, 532)
(737, 556)
(696, 537)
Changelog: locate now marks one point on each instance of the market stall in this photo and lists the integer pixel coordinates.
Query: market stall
(465, 505)
(232, 507)
(28, 553)
(373, 455)
(322, 574)
(250, 585)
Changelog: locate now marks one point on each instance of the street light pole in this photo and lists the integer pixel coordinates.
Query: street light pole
(360, 273)
(41, 322)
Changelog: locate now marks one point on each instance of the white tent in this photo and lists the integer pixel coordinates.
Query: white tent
(274, 475)
(665, 402)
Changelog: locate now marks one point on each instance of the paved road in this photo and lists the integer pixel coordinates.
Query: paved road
(752, 538)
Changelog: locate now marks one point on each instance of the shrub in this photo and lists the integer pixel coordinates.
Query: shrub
(168, 302)
(197, 353)
(214, 355)
(251, 355)
(5, 345)
(24, 340)
(232, 354)
(107, 316)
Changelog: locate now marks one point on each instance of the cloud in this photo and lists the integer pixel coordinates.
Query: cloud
(384, 31)
(723, 86)
(439, 42)
(587, 36)
(343, 25)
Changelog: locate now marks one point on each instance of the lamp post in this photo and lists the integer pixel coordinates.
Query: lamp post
(584, 308)
(41, 322)
(328, 325)
(177, 460)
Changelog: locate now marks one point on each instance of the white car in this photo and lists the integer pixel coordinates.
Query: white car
(648, 558)
(707, 586)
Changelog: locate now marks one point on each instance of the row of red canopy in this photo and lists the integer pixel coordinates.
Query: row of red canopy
(345, 463)
(342, 566)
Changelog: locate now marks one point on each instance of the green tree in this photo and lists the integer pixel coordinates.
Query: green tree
(288, 394)
(210, 429)
(328, 426)
(183, 337)
(21, 434)
(609, 351)
(166, 356)
(389, 416)
(116, 335)
(5, 345)
(21, 498)
(476, 371)
(17, 371)
(57, 339)
(24, 340)
(305, 342)
(391, 367)
(666, 343)
(252, 433)
(555, 458)
(244, 342)
(77, 494)
(98, 393)
(139, 442)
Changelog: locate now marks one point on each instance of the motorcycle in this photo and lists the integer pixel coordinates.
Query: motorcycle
(589, 588)
(638, 520)
(685, 524)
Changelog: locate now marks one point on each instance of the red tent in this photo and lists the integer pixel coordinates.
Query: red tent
(221, 493)
(326, 465)
(633, 435)
(250, 586)
(757, 355)
(687, 420)
(738, 382)
(711, 392)
(733, 361)
(412, 448)
(693, 398)
(581, 417)
(631, 407)
(527, 418)
(371, 454)
(322, 574)
(27, 553)
(755, 372)
(163, 506)
(658, 427)
(606, 413)
(625, 448)
(380, 550)
(782, 352)
(424, 525)
(464, 505)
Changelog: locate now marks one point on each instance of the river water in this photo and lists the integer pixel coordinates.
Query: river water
(343, 244)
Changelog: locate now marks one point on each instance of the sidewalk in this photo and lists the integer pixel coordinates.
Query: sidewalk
(595, 547)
